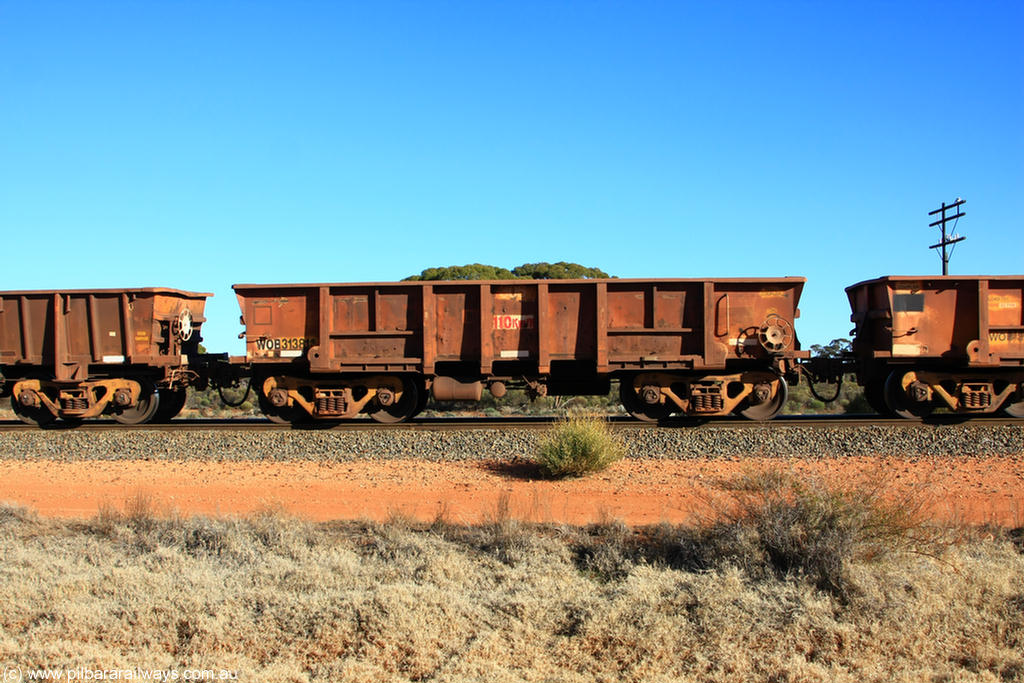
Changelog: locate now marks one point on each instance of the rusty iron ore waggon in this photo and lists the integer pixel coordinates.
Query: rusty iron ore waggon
(695, 347)
(77, 354)
(955, 342)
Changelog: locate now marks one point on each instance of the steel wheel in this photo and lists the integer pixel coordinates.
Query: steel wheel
(421, 400)
(771, 407)
(637, 408)
(38, 416)
(400, 410)
(1014, 409)
(899, 403)
(144, 410)
(281, 416)
(874, 394)
(171, 403)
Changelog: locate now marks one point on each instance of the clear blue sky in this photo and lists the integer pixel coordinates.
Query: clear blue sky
(199, 144)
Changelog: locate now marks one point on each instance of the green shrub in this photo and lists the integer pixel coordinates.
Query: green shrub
(578, 445)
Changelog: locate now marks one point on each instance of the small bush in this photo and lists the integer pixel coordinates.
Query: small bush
(578, 445)
(808, 528)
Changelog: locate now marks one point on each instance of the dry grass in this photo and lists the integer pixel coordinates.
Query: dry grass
(807, 527)
(280, 599)
(577, 445)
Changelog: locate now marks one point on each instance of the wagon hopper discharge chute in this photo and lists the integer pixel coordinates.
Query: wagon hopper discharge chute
(676, 346)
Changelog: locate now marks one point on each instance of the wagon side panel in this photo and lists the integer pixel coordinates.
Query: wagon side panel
(871, 316)
(20, 339)
(574, 336)
(933, 319)
(103, 327)
(29, 324)
(281, 325)
(655, 324)
(455, 326)
(1004, 303)
(372, 327)
(515, 323)
(752, 320)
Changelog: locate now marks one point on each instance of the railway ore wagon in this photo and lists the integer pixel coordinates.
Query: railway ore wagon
(697, 347)
(78, 354)
(951, 341)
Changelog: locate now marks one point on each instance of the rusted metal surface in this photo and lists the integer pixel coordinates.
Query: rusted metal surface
(79, 353)
(954, 341)
(974, 321)
(553, 336)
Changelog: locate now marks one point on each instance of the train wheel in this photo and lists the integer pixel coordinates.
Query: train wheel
(38, 416)
(899, 403)
(639, 409)
(281, 416)
(421, 400)
(399, 410)
(171, 403)
(1014, 409)
(144, 410)
(770, 408)
(874, 394)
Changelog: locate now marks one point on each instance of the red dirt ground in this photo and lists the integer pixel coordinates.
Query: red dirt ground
(973, 490)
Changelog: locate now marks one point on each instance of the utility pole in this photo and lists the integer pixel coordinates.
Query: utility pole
(952, 239)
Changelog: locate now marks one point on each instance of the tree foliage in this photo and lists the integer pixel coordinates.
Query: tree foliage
(557, 271)
(538, 271)
(472, 271)
(834, 349)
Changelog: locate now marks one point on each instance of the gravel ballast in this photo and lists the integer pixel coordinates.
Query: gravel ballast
(510, 443)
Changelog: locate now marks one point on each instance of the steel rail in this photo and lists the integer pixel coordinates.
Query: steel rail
(530, 422)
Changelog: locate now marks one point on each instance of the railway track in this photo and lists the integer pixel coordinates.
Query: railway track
(531, 422)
